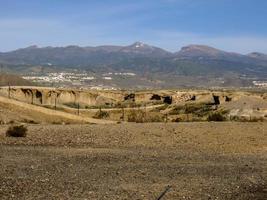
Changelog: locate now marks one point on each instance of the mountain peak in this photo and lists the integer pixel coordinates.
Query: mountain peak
(139, 45)
(203, 48)
(140, 48)
(32, 47)
(200, 51)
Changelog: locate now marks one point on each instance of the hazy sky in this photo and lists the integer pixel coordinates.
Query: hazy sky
(232, 25)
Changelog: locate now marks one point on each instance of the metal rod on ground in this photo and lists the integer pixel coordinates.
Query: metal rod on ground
(164, 192)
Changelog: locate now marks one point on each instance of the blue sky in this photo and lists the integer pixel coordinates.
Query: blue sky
(232, 25)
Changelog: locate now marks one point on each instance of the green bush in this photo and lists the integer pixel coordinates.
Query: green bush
(16, 131)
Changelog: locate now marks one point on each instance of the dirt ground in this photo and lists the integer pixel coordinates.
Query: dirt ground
(226, 160)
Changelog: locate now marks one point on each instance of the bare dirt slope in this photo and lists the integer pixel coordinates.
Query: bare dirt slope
(136, 161)
(12, 110)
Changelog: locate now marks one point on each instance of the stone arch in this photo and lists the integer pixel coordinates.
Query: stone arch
(39, 96)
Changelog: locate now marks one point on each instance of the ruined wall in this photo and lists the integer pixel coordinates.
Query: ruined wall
(52, 96)
(49, 96)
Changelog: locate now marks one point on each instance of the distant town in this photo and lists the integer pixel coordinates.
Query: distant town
(76, 79)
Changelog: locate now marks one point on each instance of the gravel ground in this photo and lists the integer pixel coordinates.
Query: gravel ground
(136, 161)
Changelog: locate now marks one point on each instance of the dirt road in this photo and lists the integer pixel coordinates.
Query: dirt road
(136, 161)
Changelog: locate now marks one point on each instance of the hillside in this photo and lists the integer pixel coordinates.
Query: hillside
(10, 79)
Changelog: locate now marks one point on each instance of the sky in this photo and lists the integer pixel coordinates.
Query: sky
(230, 25)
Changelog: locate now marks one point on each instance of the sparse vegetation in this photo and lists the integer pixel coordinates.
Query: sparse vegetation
(29, 121)
(192, 112)
(72, 105)
(154, 118)
(101, 114)
(217, 116)
(198, 112)
(199, 109)
(246, 119)
(137, 116)
(57, 122)
(16, 131)
(163, 107)
(140, 116)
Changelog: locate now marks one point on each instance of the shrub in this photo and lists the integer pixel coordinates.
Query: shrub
(101, 114)
(16, 131)
(218, 117)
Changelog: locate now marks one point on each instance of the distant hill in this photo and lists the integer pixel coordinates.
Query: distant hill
(13, 80)
(258, 55)
(141, 58)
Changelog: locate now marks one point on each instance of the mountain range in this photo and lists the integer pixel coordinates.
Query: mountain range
(192, 60)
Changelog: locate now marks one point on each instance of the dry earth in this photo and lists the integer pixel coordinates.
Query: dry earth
(136, 161)
(16, 111)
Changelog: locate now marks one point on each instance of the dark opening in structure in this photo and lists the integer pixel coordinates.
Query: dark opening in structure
(228, 99)
(130, 97)
(155, 97)
(193, 98)
(216, 100)
(39, 96)
(167, 99)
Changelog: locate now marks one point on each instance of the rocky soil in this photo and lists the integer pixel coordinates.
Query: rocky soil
(136, 161)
